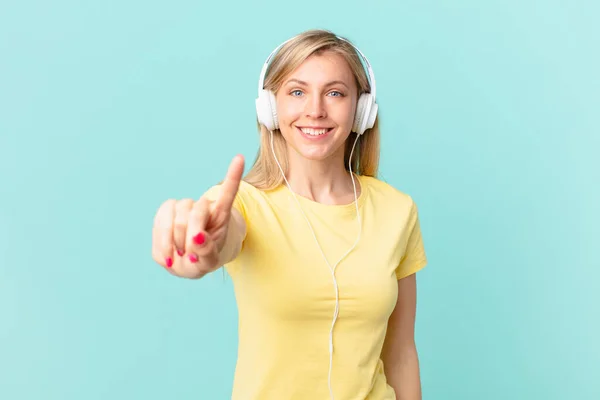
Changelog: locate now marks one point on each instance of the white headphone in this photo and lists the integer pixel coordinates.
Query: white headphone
(366, 109)
(364, 119)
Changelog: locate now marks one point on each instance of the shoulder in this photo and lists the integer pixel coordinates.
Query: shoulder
(396, 207)
(384, 194)
(248, 197)
(249, 193)
(246, 191)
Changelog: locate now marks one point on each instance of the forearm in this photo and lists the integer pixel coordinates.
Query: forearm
(403, 374)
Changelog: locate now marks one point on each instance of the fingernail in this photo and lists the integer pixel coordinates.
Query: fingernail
(180, 252)
(199, 238)
(193, 258)
(169, 262)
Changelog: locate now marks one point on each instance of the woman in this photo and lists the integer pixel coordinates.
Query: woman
(323, 259)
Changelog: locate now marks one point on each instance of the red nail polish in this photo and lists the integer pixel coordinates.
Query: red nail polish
(199, 238)
(179, 252)
(193, 258)
(169, 262)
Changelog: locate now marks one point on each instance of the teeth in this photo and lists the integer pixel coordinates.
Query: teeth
(314, 132)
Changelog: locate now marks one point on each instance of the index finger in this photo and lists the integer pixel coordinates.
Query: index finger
(231, 184)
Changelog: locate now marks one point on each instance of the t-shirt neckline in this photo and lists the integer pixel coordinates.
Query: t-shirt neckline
(334, 208)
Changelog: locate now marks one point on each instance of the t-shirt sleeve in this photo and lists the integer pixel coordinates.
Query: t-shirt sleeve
(414, 257)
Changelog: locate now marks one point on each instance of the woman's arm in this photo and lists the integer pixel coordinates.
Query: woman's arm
(399, 353)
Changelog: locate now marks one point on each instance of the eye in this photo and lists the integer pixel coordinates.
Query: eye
(296, 93)
(336, 93)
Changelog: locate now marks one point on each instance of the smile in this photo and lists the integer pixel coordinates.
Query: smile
(314, 133)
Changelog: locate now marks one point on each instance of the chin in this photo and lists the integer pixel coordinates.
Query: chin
(314, 155)
(317, 152)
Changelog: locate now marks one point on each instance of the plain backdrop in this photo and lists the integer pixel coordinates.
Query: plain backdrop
(490, 120)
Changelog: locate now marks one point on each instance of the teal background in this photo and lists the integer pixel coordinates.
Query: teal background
(489, 114)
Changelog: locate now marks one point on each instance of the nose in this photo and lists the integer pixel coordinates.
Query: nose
(315, 107)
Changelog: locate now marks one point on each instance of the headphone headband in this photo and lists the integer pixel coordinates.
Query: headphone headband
(366, 61)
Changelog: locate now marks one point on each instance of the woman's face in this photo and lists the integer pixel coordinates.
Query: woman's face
(316, 106)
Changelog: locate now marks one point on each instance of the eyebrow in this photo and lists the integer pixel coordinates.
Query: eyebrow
(306, 84)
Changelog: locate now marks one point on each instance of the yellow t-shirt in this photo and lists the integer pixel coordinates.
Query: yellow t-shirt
(286, 297)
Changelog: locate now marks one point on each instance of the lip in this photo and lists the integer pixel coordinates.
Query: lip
(311, 137)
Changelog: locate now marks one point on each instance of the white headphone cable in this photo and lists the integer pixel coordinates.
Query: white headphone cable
(336, 311)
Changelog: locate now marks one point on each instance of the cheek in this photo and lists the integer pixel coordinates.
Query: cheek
(344, 115)
(286, 114)
(287, 110)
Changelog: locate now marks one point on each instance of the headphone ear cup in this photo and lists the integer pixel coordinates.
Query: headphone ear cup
(366, 113)
(370, 122)
(363, 115)
(358, 115)
(266, 111)
(273, 109)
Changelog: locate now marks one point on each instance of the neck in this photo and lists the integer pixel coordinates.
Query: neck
(326, 181)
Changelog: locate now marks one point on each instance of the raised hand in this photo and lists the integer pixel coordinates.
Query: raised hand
(192, 238)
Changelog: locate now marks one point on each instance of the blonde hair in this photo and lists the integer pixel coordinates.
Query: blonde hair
(264, 173)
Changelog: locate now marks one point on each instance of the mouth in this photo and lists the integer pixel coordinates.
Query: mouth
(314, 133)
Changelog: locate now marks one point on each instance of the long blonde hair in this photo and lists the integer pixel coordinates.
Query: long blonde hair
(265, 173)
